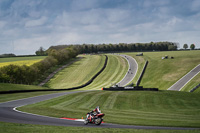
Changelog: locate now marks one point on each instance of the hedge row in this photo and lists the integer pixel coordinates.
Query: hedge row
(30, 74)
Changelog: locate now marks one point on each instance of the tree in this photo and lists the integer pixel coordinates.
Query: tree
(41, 52)
(185, 46)
(192, 46)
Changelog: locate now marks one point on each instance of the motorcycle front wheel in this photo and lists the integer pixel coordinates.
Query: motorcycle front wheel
(85, 121)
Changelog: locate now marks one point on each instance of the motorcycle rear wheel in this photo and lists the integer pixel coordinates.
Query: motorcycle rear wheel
(98, 121)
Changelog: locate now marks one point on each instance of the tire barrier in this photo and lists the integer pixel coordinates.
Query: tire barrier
(72, 88)
(135, 88)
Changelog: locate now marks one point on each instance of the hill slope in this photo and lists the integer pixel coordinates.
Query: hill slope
(164, 73)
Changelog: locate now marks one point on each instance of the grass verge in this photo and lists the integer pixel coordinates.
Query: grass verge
(15, 96)
(9, 87)
(29, 128)
(163, 108)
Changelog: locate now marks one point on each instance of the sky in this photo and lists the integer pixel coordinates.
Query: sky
(26, 25)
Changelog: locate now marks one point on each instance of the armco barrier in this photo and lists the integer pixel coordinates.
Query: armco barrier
(140, 78)
(73, 88)
(196, 87)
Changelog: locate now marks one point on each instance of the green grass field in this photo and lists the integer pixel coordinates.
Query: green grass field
(29, 128)
(113, 73)
(8, 87)
(82, 71)
(164, 73)
(162, 108)
(78, 73)
(20, 60)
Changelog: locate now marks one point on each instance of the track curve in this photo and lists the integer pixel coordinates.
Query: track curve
(9, 113)
(132, 70)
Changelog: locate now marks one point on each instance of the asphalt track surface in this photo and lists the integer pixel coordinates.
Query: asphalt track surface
(9, 112)
(132, 70)
(185, 79)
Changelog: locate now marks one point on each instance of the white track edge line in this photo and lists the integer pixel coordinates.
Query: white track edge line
(15, 109)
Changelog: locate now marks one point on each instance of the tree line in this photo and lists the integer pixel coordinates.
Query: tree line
(30, 74)
(125, 47)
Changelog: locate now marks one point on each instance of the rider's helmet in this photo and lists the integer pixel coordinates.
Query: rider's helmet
(98, 109)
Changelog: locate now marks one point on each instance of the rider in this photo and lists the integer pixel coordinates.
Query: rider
(95, 112)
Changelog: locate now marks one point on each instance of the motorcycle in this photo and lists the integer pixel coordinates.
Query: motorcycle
(94, 118)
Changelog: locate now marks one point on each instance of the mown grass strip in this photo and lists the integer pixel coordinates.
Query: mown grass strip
(163, 108)
(30, 128)
(13, 87)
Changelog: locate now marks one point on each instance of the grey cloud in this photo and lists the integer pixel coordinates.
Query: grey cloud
(31, 24)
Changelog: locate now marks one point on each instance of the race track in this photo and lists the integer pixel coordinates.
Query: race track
(132, 70)
(185, 79)
(9, 112)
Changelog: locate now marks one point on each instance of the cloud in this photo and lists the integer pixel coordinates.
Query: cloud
(2, 24)
(31, 24)
(37, 22)
(195, 5)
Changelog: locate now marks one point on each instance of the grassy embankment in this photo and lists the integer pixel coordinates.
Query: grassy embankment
(114, 72)
(164, 73)
(82, 71)
(77, 73)
(28, 128)
(8, 87)
(14, 96)
(163, 108)
(20, 60)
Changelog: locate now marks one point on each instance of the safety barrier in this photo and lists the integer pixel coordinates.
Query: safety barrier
(195, 88)
(141, 75)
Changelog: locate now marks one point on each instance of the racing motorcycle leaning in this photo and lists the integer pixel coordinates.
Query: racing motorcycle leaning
(94, 116)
